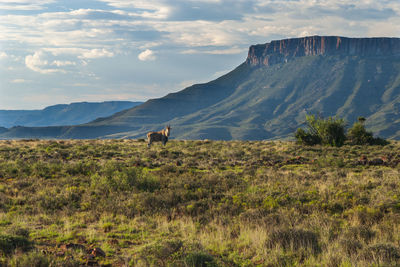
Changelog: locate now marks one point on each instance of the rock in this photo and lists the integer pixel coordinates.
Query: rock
(285, 50)
(363, 160)
(98, 252)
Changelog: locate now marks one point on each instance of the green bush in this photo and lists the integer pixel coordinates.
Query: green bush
(8, 243)
(159, 253)
(358, 135)
(294, 239)
(37, 259)
(350, 246)
(382, 253)
(199, 259)
(115, 178)
(306, 138)
(33, 259)
(330, 131)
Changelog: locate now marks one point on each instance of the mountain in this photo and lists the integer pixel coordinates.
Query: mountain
(268, 96)
(64, 114)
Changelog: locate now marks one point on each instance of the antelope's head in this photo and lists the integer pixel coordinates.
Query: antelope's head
(167, 130)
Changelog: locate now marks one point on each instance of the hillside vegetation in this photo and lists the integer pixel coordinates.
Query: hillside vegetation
(198, 203)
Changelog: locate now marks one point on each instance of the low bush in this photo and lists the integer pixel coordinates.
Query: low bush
(38, 259)
(8, 243)
(350, 247)
(294, 239)
(361, 233)
(330, 131)
(199, 259)
(358, 135)
(307, 138)
(159, 253)
(382, 253)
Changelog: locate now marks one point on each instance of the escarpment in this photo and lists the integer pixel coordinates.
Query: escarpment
(282, 51)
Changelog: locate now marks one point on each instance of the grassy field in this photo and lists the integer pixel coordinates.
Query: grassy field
(198, 203)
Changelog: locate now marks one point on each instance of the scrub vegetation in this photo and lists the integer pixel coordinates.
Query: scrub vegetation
(331, 131)
(198, 203)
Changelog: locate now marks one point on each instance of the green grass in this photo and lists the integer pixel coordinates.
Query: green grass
(198, 203)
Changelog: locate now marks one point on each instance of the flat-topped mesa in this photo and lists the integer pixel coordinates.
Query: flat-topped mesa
(284, 50)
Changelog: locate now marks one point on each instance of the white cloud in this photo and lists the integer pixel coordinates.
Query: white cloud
(37, 63)
(19, 81)
(71, 51)
(96, 53)
(147, 55)
(88, 30)
(3, 55)
(34, 62)
(150, 9)
(60, 63)
(227, 51)
(24, 4)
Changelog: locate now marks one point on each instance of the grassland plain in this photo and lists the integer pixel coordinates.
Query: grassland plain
(198, 203)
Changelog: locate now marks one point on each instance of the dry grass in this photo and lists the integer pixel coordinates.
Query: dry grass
(198, 203)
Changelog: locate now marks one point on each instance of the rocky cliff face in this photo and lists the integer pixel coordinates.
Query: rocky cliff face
(284, 50)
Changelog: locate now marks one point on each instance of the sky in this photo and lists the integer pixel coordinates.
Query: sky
(64, 51)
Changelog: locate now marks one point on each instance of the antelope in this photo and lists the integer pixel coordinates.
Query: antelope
(158, 136)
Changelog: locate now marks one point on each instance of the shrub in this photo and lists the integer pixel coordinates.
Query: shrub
(8, 243)
(294, 239)
(37, 259)
(33, 259)
(19, 231)
(330, 131)
(114, 178)
(306, 138)
(199, 259)
(358, 135)
(382, 253)
(350, 246)
(148, 183)
(361, 232)
(159, 253)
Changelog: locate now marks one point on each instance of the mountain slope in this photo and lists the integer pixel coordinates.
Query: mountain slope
(268, 95)
(274, 100)
(71, 114)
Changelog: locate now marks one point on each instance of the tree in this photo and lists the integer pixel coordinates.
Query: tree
(330, 131)
(358, 135)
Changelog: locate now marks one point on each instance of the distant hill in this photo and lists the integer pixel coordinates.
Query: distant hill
(64, 114)
(268, 96)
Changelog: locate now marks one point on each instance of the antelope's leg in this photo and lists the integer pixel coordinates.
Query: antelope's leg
(148, 142)
(164, 140)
